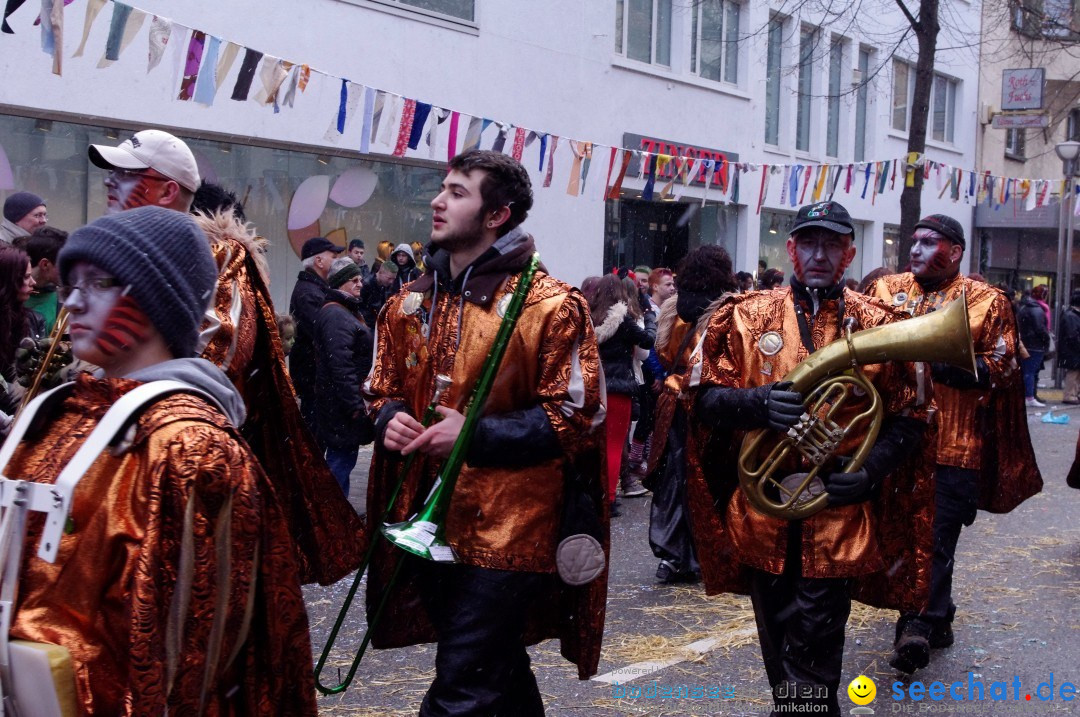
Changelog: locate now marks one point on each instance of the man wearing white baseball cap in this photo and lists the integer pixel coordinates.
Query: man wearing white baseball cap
(151, 168)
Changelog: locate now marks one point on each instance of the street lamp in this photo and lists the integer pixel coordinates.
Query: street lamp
(1068, 152)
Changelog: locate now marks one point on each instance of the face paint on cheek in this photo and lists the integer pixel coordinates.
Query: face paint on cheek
(142, 194)
(939, 260)
(125, 327)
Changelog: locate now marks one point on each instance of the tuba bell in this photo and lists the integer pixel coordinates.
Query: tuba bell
(828, 379)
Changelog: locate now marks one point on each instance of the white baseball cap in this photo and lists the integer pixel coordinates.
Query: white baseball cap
(151, 149)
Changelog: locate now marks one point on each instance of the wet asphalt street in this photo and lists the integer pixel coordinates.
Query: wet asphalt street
(1017, 586)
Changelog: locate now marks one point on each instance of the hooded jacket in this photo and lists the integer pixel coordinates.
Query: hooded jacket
(406, 273)
(177, 526)
(1031, 321)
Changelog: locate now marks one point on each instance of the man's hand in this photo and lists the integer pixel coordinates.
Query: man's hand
(785, 406)
(401, 430)
(849, 488)
(437, 439)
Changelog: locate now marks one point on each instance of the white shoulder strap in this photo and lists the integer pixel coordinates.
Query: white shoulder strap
(55, 499)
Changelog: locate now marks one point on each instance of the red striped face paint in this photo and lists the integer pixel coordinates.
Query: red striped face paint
(125, 326)
(132, 189)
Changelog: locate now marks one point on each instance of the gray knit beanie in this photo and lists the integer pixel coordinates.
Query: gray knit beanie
(162, 256)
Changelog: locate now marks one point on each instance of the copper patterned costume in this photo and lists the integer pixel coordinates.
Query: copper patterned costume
(853, 541)
(176, 587)
(240, 336)
(502, 516)
(982, 429)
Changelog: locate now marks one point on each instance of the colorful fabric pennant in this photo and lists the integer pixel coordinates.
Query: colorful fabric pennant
(551, 160)
(420, 117)
(196, 45)
(123, 27)
(408, 115)
(160, 30)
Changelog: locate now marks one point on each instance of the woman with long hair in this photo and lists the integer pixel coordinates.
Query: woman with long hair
(16, 321)
(615, 310)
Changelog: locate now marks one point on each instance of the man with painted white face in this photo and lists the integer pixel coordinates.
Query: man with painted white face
(869, 542)
(151, 168)
(538, 438)
(984, 454)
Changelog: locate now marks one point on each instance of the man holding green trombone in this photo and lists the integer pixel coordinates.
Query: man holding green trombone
(518, 348)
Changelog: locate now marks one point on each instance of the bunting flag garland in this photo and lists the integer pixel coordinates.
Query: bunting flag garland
(396, 124)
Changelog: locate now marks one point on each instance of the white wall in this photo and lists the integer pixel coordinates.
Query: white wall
(543, 65)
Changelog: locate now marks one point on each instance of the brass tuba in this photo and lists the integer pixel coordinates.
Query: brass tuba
(829, 378)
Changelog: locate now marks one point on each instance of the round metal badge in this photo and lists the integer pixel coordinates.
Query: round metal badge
(770, 343)
(503, 304)
(900, 299)
(412, 302)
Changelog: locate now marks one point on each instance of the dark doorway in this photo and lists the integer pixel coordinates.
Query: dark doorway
(652, 233)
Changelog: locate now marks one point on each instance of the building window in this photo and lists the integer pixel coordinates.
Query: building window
(901, 95)
(1072, 125)
(643, 30)
(772, 81)
(807, 41)
(861, 100)
(942, 120)
(450, 9)
(714, 40)
(832, 134)
(1014, 143)
(1046, 18)
(943, 109)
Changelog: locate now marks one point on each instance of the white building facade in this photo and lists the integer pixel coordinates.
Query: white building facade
(710, 79)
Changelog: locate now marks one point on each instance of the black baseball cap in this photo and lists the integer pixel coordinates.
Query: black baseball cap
(944, 225)
(827, 215)
(317, 245)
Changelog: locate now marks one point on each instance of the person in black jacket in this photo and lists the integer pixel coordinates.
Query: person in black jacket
(308, 296)
(1069, 348)
(615, 312)
(343, 344)
(1031, 322)
(377, 290)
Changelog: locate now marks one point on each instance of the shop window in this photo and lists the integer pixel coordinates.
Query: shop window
(714, 40)
(890, 253)
(643, 30)
(662, 233)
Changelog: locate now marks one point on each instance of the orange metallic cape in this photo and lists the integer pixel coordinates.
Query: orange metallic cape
(984, 430)
(178, 556)
(885, 544)
(241, 337)
(501, 518)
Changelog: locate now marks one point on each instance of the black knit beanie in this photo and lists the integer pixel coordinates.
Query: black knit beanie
(346, 272)
(162, 256)
(944, 225)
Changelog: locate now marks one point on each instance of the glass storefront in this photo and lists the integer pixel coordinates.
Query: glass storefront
(344, 198)
(659, 233)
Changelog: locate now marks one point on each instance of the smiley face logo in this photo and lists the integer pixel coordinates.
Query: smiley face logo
(862, 690)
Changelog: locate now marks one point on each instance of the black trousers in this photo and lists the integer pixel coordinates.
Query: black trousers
(801, 624)
(669, 516)
(956, 500)
(481, 664)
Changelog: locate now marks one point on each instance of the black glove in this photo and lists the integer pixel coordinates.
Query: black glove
(773, 405)
(955, 377)
(785, 406)
(848, 488)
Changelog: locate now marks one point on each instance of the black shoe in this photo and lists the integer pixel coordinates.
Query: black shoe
(912, 650)
(615, 512)
(941, 635)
